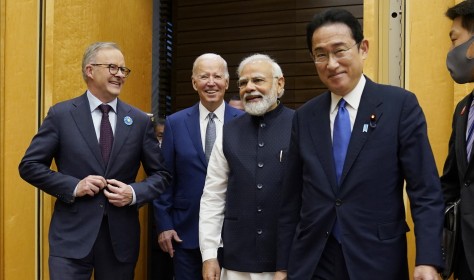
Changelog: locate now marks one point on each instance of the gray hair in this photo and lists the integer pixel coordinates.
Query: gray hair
(276, 69)
(211, 56)
(91, 52)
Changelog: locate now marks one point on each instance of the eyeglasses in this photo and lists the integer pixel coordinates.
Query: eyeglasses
(338, 53)
(258, 81)
(113, 69)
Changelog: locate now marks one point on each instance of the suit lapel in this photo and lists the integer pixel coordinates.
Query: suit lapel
(122, 129)
(82, 117)
(461, 130)
(369, 105)
(193, 125)
(320, 131)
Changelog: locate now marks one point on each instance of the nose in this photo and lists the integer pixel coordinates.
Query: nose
(249, 86)
(211, 80)
(332, 62)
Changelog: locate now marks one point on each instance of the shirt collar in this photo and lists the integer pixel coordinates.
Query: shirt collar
(94, 102)
(219, 112)
(352, 98)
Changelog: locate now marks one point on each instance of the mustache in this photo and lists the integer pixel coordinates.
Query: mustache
(253, 94)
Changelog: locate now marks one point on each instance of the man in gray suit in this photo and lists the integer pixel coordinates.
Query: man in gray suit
(98, 143)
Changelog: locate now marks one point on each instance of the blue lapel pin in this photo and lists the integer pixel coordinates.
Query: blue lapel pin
(366, 128)
(127, 120)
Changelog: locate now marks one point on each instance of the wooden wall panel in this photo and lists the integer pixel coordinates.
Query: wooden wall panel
(236, 29)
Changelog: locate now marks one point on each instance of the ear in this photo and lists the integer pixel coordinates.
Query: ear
(89, 71)
(470, 51)
(281, 86)
(364, 48)
(194, 83)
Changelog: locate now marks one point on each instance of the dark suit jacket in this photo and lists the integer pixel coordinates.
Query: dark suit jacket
(178, 207)
(458, 176)
(67, 135)
(369, 203)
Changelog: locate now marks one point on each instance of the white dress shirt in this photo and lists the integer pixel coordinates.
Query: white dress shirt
(352, 100)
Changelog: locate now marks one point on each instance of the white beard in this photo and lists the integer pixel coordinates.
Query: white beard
(261, 107)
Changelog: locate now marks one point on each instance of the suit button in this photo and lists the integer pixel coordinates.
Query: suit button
(262, 125)
(101, 205)
(467, 184)
(338, 202)
(327, 234)
(259, 186)
(259, 210)
(260, 164)
(259, 232)
(261, 144)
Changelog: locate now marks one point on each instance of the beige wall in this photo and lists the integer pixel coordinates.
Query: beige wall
(69, 26)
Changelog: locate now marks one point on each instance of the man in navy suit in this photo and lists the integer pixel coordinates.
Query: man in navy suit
(345, 219)
(458, 174)
(177, 210)
(95, 224)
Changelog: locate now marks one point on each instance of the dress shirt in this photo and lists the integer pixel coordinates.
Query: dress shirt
(204, 118)
(94, 103)
(352, 100)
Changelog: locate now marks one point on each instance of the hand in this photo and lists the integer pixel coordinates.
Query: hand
(280, 275)
(165, 240)
(211, 270)
(425, 272)
(119, 194)
(90, 185)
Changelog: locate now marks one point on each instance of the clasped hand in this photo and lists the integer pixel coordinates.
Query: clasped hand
(118, 193)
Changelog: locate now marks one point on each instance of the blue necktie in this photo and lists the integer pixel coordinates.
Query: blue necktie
(340, 141)
(470, 126)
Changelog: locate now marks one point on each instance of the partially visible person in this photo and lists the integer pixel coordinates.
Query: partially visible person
(352, 149)
(98, 143)
(159, 129)
(184, 149)
(160, 264)
(235, 102)
(242, 192)
(458, 173)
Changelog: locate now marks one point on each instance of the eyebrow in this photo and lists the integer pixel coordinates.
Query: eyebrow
(337, 44)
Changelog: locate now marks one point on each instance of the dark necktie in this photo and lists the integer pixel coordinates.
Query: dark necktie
(106, 138)
(470, 128)
(210, 135)
(341, 136)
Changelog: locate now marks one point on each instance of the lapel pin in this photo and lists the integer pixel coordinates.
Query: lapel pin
(463, 110)
(365, 128)
(373, 122)
(127, 120)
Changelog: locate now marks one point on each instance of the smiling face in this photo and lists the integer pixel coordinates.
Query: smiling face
(210, 81)
(103, 85)
(340, 75)
(259, 88)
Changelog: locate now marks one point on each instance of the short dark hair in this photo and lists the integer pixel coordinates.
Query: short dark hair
(465, 10)
(334, 15)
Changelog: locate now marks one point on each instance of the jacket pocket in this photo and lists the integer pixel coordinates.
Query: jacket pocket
(392, 230)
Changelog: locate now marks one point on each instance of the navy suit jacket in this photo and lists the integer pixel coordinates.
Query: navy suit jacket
(178, 207)
(67, 135)
(369, 203)
(458, 175)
